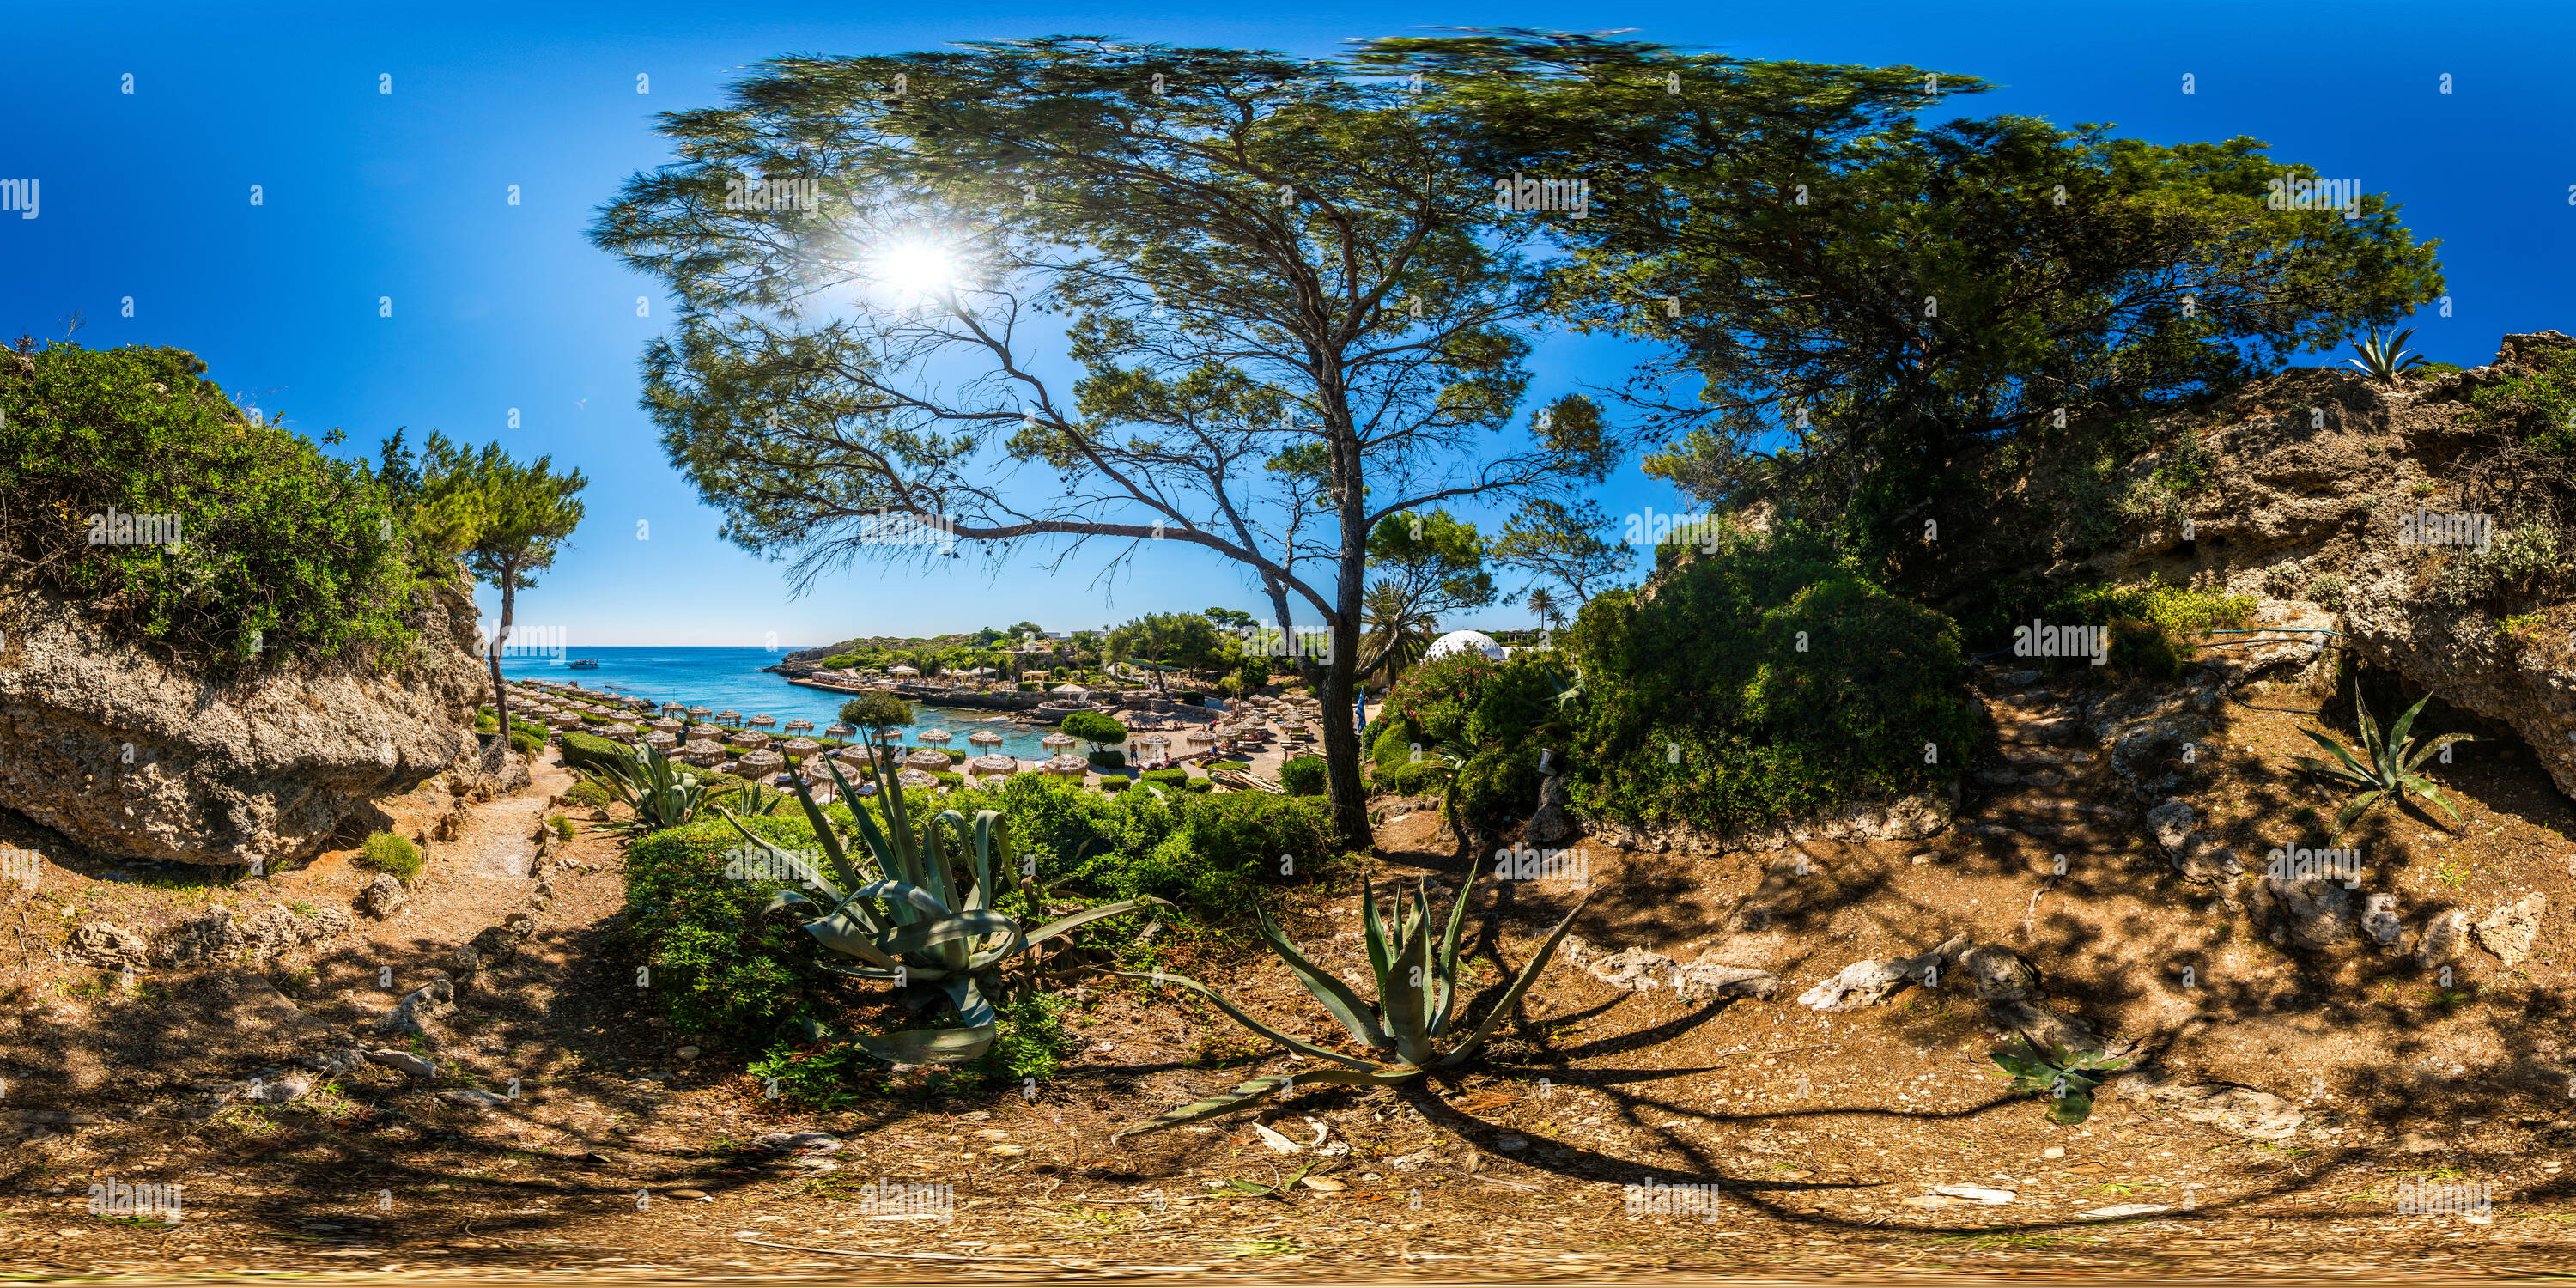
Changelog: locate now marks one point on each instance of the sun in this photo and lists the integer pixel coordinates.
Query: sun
(915, 268)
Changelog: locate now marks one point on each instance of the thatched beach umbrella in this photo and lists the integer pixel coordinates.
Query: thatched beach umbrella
(760, 764)
(700, 711)
(1202, 738)
(763, 722)
(712, 733)
(1074, 765)
(662, 738)
(1068, 690)
(751, 739)
(667, 725)
(729, 716)
(985, 738)
(619, 732)
(932, 735)
(674, 709)
(1058, 740)
(916, 778)
(992, 765)
(799, 725)
(800, 747)
(839, 730)
(927, 759)
(699, 751)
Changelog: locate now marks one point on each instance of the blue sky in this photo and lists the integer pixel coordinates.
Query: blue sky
(368, 195)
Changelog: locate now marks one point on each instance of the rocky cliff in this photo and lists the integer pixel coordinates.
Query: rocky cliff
(123, 752)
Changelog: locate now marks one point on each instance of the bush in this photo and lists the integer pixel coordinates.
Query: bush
(1765, 682)
(281, 552)
(1238, 766)
(949, 781)
(1404, 778)
(955, 756)
(1029, 686)
(561, 825)
(526, 743)
(1094, 728)
(2155, 628)
(592, 752)
(392, 853)
(589, 793)
(1109, 759)
(1166, 777)
(1302, 775)
(2328, 592)
(1113, 786)
(717, 967)
(1199, 785)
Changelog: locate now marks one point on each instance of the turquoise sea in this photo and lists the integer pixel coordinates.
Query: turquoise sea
(718, 678)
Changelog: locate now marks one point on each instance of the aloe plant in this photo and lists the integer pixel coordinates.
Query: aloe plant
(2067, 1078)
(661, 795)
(2390, 773)
(917, 910)
(2385, 361)
(1418, 1002)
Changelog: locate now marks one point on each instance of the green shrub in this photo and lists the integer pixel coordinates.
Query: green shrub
(2523, 556)
(1199, 785)
(1238, 766)
(281, 552)
(592, 752)
(1219, 851)
(1113, 758)
(486, 722)
(1763, 683)
(1404, 778)
(717, 966)
(2328, 592)
(1113, 786)
(588, 793)
(1166, 777)
(1302, 775)
(1029, 686)
(955, 756)
(2155, 628)
(949, 781)
(392, 853)
(1094, 728)
(526, 743)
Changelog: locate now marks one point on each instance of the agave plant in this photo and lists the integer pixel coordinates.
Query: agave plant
(662, 795)
(2389, 773)
(2067, 1078)
(1418, 1002)
(920, 912)
(2385, 361)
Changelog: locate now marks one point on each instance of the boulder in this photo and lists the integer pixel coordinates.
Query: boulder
(221, 935)
(2508, 931)
(2312, 914)
(493, 945)
(404, 1062)
(415, 1013)
(2441, 941)
(1640, 970)
(1553, 824)
(126, 752)
(108, 946)
(383, 896)
(2255, 1115)
(2171, 823)
(2380, 921)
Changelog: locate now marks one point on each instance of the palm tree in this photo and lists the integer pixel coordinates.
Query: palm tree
(1544, 605)
(1394, 630)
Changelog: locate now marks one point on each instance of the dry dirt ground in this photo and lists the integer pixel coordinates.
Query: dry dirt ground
(622, 1160)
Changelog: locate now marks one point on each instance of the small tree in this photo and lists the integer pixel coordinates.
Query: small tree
(518, 514)
(874, 713)
(1094, 728)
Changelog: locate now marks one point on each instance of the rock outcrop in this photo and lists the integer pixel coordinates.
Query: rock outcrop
(129, 754)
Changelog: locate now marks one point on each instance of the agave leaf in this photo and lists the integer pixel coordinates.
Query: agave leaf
(1256, 1088)
(2397, 736)
(781, 901)
(2356, 807)
(2341, 755)
(1085, 917)
(988, 824)
(1520, 985)
(2369, 727)
(1408, 994)
(1447, 956)
(833, 853)
(929, 1046)
(948, 930)
(967, 996)
(2424, 788)
(1293, 1044)
(2437, 744)
(844, 934)
(2071, 1108)
(903, 975)
(1337, 997)
(1373, 931)
(902, 894)
(937, 876)
(2335, 772)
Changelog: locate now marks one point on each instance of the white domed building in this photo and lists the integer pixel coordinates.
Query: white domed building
(1462, 641)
